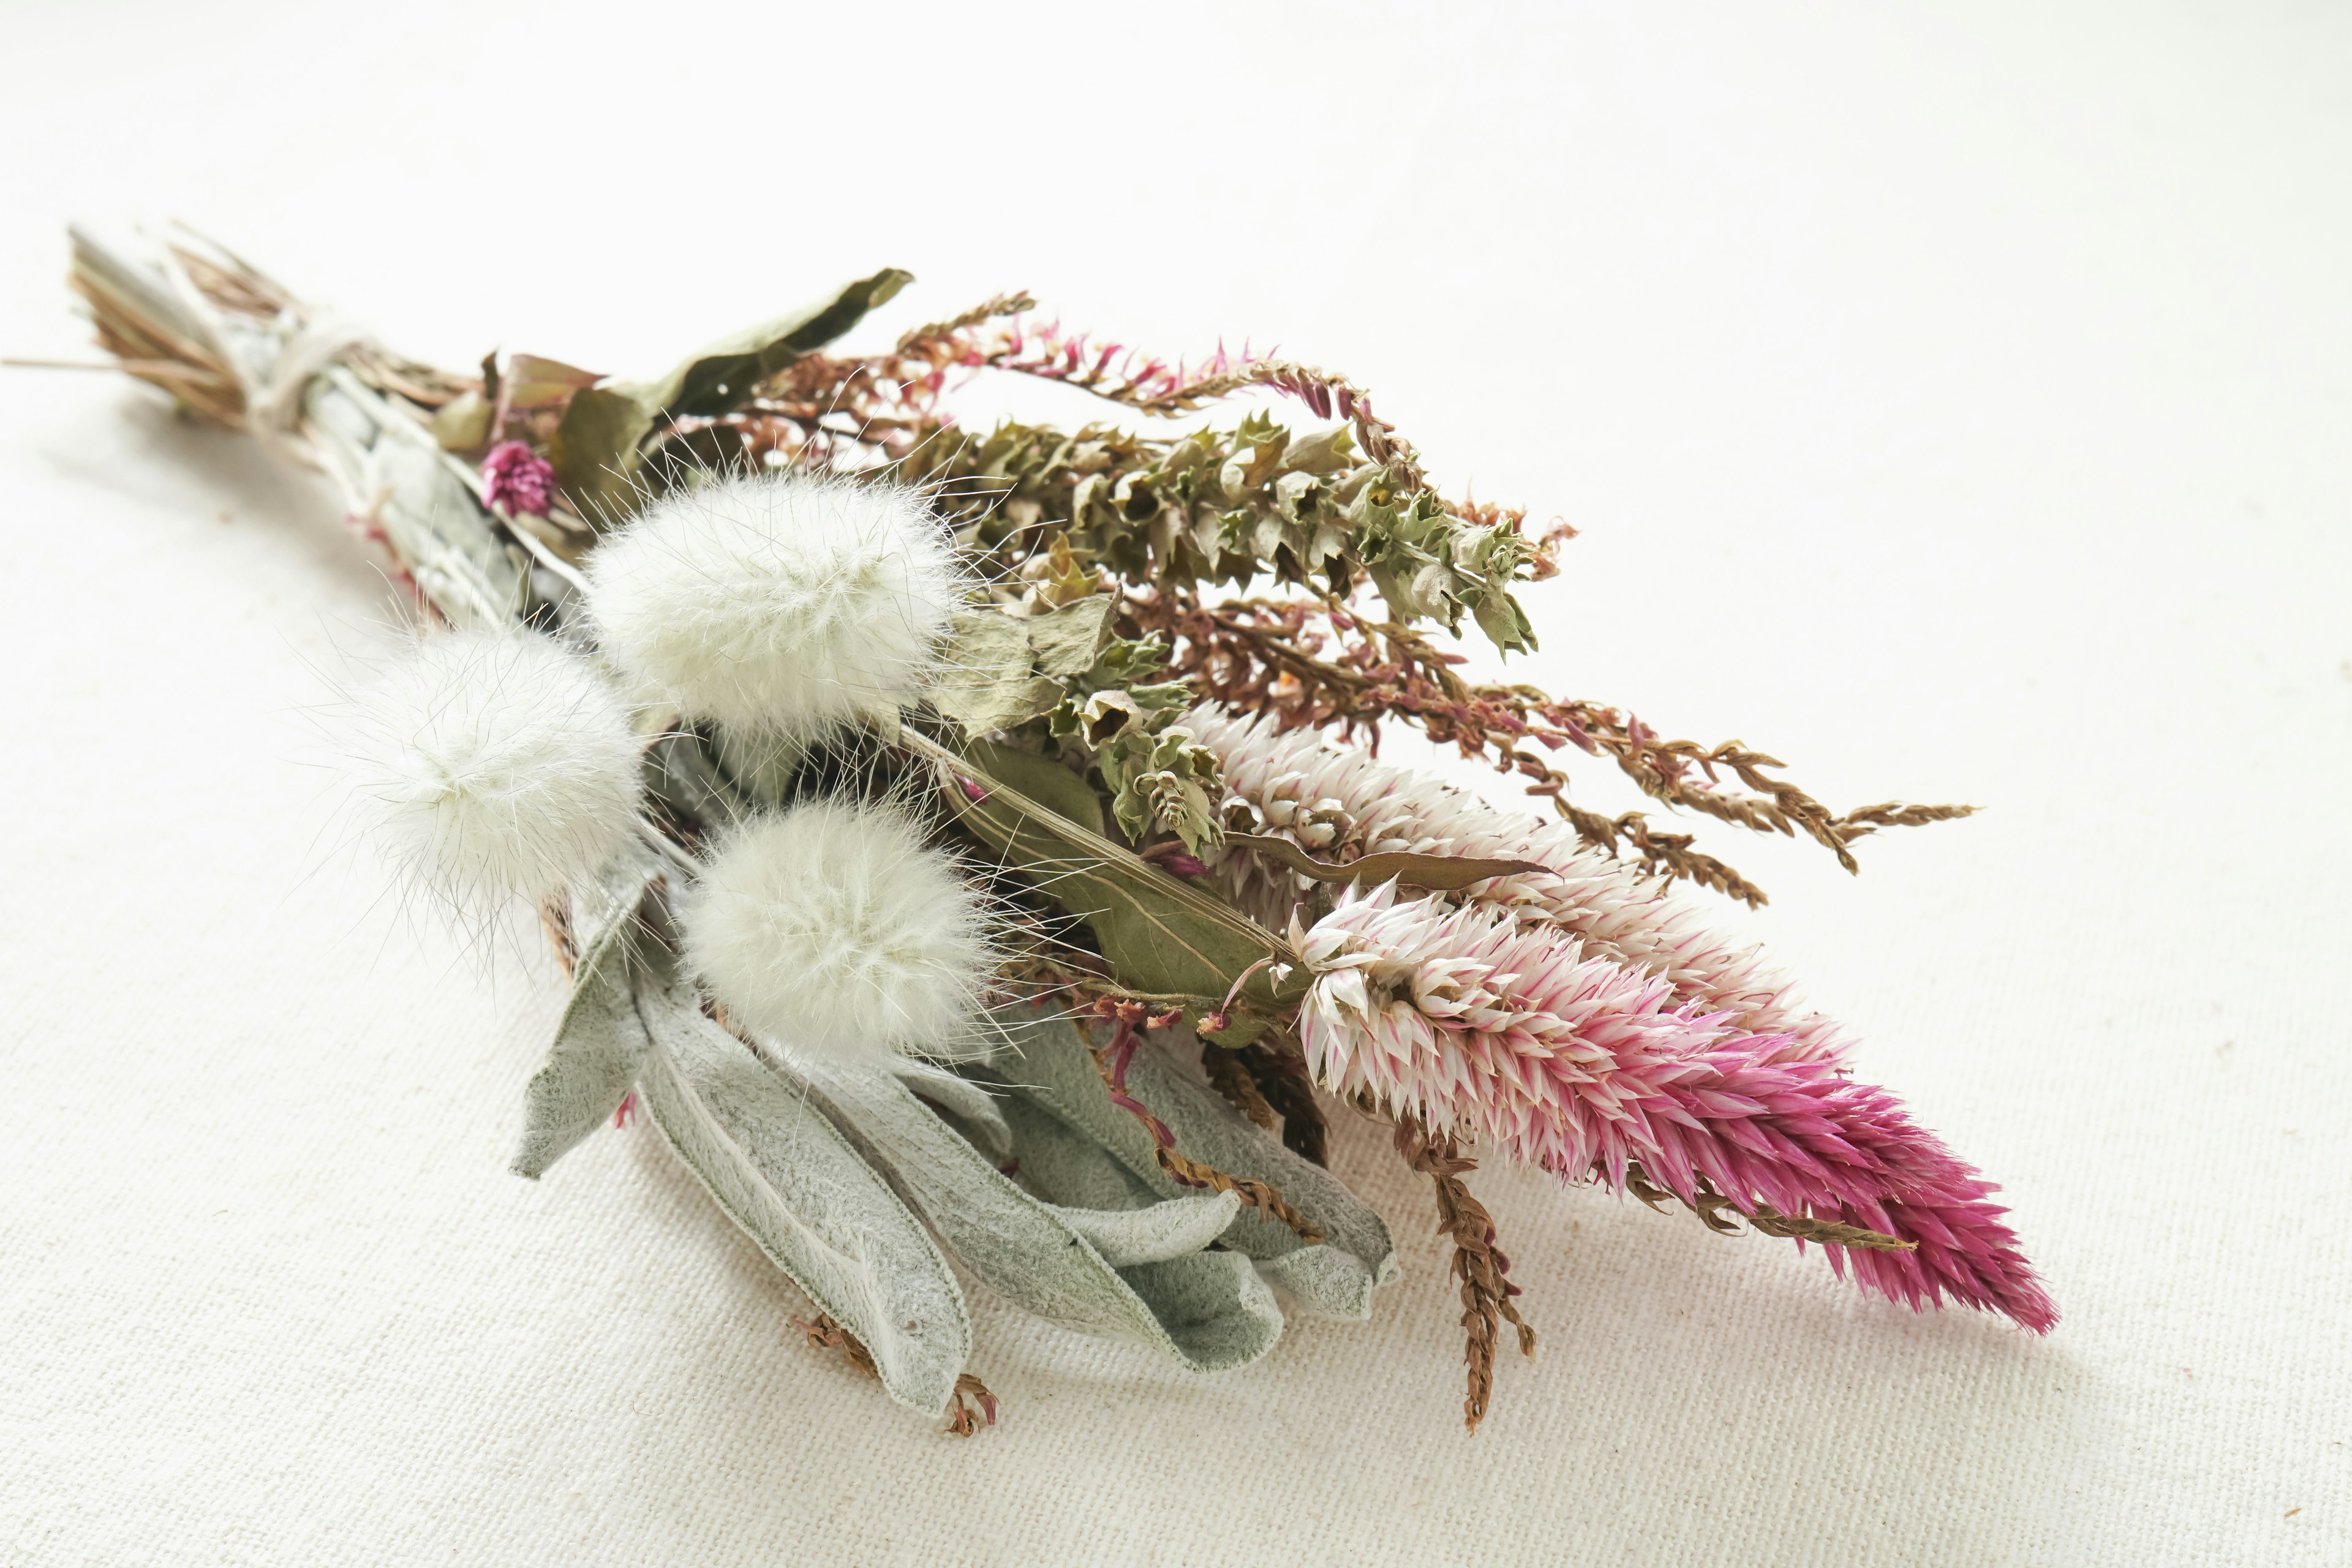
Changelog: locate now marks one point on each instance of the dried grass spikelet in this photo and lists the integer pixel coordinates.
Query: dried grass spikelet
(779, 604)
(834, 932)
(495, 764)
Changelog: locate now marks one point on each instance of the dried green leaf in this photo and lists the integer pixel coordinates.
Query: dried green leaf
(598, 447)
(1067, 641)
(532, 381)
(1159, 933)
(595, 450)
(722, 375)
(463, 423)
(988, 686)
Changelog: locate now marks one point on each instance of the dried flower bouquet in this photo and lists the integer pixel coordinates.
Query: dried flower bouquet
(902, 798)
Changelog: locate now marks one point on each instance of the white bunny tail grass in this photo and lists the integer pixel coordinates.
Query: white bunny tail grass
(834, 933)
(780, 604)
(495, 764)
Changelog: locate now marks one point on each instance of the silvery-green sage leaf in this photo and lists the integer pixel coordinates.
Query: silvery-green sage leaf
(787, 1176)
(1155, 1233)
(593, 1061)
(979, 1114)
(1049, 1063)
(1037, 1255)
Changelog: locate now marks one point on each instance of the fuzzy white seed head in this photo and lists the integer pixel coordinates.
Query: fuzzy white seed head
(496, 764)
(781, 602)
(832, 932)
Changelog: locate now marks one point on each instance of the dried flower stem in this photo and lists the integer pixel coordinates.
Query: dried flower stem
(1230, 1078)
(555, 920)
(967, 1422)
(1111, 1061)
(1478, 1264)
(1710, 1205)
(1281, 1075)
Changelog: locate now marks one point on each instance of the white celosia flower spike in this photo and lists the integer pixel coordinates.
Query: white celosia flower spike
(780, 603)
(496, 764)
(832, 932)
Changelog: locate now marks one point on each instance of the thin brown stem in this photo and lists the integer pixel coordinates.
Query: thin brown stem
(1478, 1264)
(1712, 1207)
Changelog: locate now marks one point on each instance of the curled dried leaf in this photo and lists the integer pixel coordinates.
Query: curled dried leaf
(1445, 873)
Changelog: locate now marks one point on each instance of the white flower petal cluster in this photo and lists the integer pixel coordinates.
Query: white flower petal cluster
(496, 764)
(781, 604)
(832, 932)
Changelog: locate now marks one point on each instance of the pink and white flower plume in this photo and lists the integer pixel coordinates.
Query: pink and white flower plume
(1518, 1034)
(1339, 805)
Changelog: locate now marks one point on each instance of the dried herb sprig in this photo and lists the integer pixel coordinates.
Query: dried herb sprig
(1324, 664)
(1478, 1264)
(1117, 568)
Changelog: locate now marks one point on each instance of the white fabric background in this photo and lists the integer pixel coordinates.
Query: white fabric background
(1957, 405)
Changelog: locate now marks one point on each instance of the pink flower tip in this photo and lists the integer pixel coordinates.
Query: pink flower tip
(516, 480)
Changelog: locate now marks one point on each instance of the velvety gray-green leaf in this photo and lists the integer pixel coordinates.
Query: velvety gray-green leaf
(1032, 1252)
(1049, 1063)
(1212, 1305)
(1156, 1233)
(787, 1176)
(1064, 1166)
(979, 1115)
(594, 1058)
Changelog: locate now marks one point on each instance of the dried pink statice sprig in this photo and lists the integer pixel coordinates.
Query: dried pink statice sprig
(1339, 805)
(1478, 1023)
(1110, 369)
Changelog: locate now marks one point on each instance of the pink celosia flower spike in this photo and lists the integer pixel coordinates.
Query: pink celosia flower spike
(1511, 1033)
(1339, 803)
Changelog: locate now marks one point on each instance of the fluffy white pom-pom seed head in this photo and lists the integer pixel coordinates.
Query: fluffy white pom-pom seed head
(496, 764)
(834, 933)
(780, 603)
